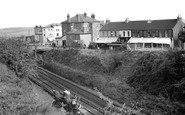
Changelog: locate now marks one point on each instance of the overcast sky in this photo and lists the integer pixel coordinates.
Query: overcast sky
(24, 13)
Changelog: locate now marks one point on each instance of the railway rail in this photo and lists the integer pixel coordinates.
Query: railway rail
(49, 81)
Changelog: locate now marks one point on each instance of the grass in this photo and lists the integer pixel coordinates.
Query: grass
(20, 97)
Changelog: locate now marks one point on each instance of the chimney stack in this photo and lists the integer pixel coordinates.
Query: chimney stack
(68, 17)
(179, 17)
(107, 21)
(93, 15)
(77, 17)
(127, 20)
(85, 14)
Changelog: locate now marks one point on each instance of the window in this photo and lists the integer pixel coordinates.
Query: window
(166, 46)
(128, 33)
(145, 33)
(148, 45)
(166, 33)
(138, 35)
(123, 34)
(154, 45)
(162, 33)
(113, 33)
(105, 33)
(133, 34)
(170, 33)
(117, 33)
(109, 33)
(157, 33)
(153, 33)
(139, 45)
(148, 34)
(57, 34)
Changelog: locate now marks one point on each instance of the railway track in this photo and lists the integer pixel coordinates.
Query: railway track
(50, 81)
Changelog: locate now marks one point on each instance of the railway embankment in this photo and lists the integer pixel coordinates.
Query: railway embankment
(149, 81)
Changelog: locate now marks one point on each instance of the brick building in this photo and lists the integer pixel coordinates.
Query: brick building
(81, 28)
(146, 34)
(38, 34)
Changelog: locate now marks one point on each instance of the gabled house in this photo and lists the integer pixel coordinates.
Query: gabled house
(146, 34)
(51, 32)
(81, 28)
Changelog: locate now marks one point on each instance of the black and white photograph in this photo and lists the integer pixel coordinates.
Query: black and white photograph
(92, 57)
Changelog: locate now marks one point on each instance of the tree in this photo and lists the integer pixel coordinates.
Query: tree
(15, 55)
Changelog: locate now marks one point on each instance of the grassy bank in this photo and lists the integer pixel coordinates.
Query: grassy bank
(132, 78)
(18, 96)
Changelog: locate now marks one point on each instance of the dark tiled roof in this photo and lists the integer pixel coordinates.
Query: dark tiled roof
(75, 31)
(81, 18)
(140, 25)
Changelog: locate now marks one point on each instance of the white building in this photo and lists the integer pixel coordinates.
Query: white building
(51, 32)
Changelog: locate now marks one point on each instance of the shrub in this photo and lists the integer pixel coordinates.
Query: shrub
(160, 73)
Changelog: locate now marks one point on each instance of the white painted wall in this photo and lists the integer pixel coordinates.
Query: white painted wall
(86, 38)
(51, 33)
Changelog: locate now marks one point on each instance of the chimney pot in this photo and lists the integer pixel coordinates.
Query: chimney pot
(77, 16)
(127, 20)
(107, 21)
(68, 17)
(93, 15)
(85, 14)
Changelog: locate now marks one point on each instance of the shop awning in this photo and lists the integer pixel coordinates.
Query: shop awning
(150, 40)
(106, 40)
(51, 38)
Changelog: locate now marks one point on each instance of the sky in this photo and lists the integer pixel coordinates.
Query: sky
(29, 13)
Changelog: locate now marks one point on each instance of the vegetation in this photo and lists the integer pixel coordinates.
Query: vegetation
(18, 96)
(15, 55)
(161, 74)
(152, 82)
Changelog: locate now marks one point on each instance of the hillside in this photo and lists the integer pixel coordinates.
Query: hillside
(16, 31)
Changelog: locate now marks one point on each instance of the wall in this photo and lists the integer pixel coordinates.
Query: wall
(58, 42)
(95, 31)
(178, 28)
(57, 29)
(65, 28)
(86, 38)
(38, 30)
(70, 38)
(39, 38)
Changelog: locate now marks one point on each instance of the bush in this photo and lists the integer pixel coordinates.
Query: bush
(160, 73)
(92, 45)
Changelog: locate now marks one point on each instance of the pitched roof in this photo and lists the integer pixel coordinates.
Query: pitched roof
(140, 25)
(76, 31)
(52, 24)
(81, 18)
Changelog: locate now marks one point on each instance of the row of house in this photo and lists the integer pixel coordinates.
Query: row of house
(136, 35)
(79, 28)
(145, 34)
